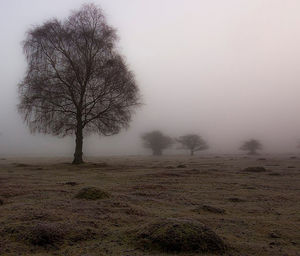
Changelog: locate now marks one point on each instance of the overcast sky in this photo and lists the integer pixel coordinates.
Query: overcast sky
(227, 70)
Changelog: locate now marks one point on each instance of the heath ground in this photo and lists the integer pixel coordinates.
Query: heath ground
(111, 205)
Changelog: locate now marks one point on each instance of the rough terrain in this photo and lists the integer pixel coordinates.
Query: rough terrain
(253, 212)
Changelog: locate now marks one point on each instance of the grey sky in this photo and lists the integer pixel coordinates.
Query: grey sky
(228, 70)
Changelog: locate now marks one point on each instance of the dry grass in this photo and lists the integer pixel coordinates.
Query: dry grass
(255, 213)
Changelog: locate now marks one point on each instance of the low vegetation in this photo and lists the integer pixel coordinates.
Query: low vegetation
(91, 193)
(144, 206)
(177, 235)
(255, 169)
(46, 234)
(208, 208)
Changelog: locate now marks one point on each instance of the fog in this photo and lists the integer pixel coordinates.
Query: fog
(226, 70)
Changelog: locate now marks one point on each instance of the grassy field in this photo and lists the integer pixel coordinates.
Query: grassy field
(254, 213)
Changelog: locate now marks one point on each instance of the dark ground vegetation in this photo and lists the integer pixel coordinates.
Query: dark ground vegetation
(148, 206)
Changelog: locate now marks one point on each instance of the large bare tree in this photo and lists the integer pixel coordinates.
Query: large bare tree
(76, 81)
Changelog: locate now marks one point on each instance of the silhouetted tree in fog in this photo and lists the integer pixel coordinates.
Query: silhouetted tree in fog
(76, 81)
(252, 146)
(298, 144)
(192, 142)
(157, 142)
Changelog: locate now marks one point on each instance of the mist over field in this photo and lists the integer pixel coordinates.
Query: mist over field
(202, 100)
(226, 70)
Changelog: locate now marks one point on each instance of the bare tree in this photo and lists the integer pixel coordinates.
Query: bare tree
(157, 142)
(76, 81)
(252, 146)
(192, 142)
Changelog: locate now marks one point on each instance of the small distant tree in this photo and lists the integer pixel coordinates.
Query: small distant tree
(157, 142)
(251, 146)
(192, 142)
(298, 144)
(76, 81)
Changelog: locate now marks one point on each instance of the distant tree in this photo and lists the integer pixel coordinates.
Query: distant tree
(298, 144)
(157, 142)
(192, 142)
(252, 146)
(76, 81)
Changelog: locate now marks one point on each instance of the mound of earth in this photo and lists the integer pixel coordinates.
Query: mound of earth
(255, 169)
(91, 193)
(176, 235)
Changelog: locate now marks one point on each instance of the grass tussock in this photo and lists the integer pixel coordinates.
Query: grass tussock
(236, 200)
(208, 208)
(255, 169)
(91, 193)
(54, 234)
(71, 183)
(176, 235)
(22, 165)
(46, 234)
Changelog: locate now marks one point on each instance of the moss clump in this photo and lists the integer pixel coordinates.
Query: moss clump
(91, 193)
(255, 169)
(174, 235)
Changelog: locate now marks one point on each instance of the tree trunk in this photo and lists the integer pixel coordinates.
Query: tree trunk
(252, 152)
(157, 152)
(79, 142)
(192, 152)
